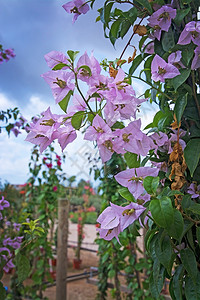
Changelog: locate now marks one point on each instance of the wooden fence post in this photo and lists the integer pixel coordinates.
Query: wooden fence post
(61, 269)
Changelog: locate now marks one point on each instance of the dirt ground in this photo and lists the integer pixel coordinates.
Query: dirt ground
(79, 289)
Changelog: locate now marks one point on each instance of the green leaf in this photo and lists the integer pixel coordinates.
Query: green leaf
(90, 117)
(65, 101)
(77, 119)
(165, 121)
(192, 154)
(59, 66)
(187, 54)
(189, 261)
(157, 279)
(164, 251)
(181, 14)
(23, 267)
(2, 292)
(162, 211)
(115, 28)
(130, 15)
(180, 105)
(186, 201)
(158, 48)
(106, 13)
(124, 27)
(171, 290)
(147, 67)
(175, 229)
(168, 40)
(174, 192)
(124, 192)
(177, 282)
(198, 234)
(180, 79)
(148, 237)
(190, 238)
(132, 160)
(136, 62)
(142, 41)
(151, 184)
(72, 54)
(192, 289)
(112, 38)
(87, 69)
(145, 4)
(105, 257)
(111, 273)
(194, 208)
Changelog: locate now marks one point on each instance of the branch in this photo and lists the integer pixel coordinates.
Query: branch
(139, 78)
(129, 41)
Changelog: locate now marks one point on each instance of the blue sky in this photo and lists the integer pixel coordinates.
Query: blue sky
(34, 28)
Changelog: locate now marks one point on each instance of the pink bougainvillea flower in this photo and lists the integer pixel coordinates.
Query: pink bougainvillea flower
(94, 66)
(60, 83)
(124, 110)
(114, 219)
(3, 203)
(133, 178)
(16, 226)
(10, 52)
(125, 137)
(149, 48)
(175, 59)
(4, 258)
(78, 105)
(16, 131)
(110, 222)
(130, 214)
(118, 90)
(66, 135)
(132, 139)
(77, 7)
(156, 34)
(194, 190)
(102, 133)
(159, 139)
(162, 70)
(14, 243)
(44, 131)
(105, 149)
(54, 58)
(99, 131)
(191, 32)
(162, 17)
(196, 59)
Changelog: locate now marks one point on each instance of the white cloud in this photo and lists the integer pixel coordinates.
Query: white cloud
(14, 158)
(6, 103)
(34, 107)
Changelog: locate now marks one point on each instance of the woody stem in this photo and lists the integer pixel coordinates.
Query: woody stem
(129, 41)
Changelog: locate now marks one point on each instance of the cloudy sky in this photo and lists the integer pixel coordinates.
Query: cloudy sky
(34, 28)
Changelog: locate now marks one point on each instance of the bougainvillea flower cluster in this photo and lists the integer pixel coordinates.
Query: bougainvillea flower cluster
(107, 109)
